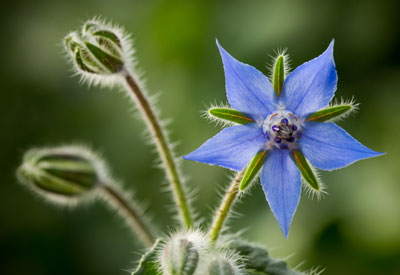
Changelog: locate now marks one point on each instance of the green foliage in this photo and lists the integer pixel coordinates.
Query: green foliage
(256, 260)
(148, 264)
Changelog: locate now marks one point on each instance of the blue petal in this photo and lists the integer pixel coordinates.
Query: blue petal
(281, 182)
(247, 89)
(312, 85)
(329, 147)
(231, 148)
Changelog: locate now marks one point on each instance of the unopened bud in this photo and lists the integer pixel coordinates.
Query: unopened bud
(96, 50)
(61, 174)
(223, 265)
(182, 254)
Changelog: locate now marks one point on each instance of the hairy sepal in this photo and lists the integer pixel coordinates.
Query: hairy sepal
(278, 75)
(230, 115)
(252, 170)
(332, 113)
(306, 170)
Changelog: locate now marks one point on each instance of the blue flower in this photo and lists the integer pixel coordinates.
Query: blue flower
(280, 126)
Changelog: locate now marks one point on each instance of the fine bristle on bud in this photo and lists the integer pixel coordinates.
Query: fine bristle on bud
(62, 174)
(183, 253)
(99, 50)
(221, 264)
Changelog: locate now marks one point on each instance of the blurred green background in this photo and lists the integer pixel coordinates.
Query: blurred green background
(353, 230)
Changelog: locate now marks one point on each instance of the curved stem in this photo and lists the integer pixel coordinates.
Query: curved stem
(130, 213)
(163, 148)
(225, 207)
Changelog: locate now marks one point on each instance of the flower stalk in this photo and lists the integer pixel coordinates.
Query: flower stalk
(163, 148)
(225, 207)
(130, 213)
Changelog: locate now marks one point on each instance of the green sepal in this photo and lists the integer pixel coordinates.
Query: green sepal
(279, 75)
(306, 170)
(70, 42)
(230, 115)
(256, 260)
(330, 113)
(181, 256)
(69, 168)
(110, 62)
(252, 170)
(109, 36)
(80, 63)
(148, 264)
(222, 267)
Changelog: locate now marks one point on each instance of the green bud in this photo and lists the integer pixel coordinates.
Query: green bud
(183, 253)
(222, 265)
(181, 257)
(61, 173)
(230, 115)
(96, 50)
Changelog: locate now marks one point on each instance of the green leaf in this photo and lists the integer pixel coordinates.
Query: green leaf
(306, 170)
(258, 261)
(148, 264)
(279, 75)
(330, 113)
(230, 114)
(110, 62)
(252, 170)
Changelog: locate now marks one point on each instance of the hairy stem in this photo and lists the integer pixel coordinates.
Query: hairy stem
(130, 213)
(163, 149)
(226, 205)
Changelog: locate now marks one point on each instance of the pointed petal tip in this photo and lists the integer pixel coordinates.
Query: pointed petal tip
(332, 43)
(329, 50)
(284, 228)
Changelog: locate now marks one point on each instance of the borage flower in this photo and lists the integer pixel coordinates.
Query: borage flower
(285, 125)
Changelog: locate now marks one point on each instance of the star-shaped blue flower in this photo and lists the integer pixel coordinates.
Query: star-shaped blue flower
(280, 127)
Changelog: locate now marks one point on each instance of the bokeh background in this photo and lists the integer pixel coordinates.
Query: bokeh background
(353, 230)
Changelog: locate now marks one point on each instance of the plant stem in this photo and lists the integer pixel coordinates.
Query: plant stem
(225, 207)
(163, 148)
(130, 213)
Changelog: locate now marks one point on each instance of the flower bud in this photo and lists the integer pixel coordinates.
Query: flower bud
(61, 174)
(221, 264)
(97, 50)
(182, 254)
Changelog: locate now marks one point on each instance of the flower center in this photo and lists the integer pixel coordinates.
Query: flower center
(282, 129)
